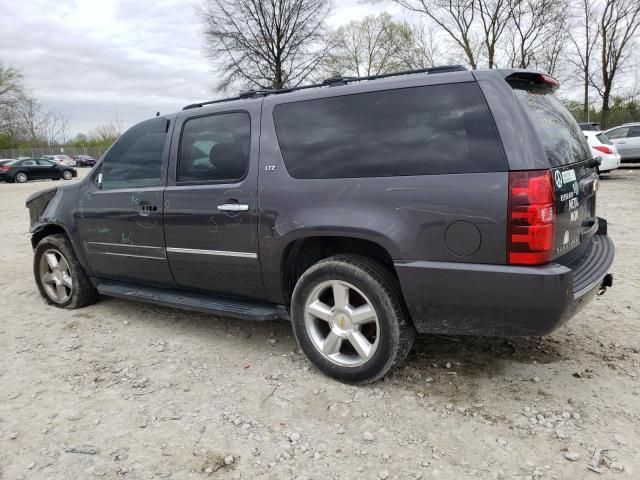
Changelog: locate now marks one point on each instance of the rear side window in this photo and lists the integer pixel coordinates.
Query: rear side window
(602, 138)
(135, 160)
(215, 148)
(561, 137)
(412, 131)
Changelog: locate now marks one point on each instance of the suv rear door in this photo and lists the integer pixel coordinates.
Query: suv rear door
(633, 142)
(120, 218)
(567, 152)
(211, 213)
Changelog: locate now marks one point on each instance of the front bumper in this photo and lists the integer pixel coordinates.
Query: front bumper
(502, 300)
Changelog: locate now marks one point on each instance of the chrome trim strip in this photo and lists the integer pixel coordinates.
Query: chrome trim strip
(222, 253)
(129, 255)
(122, 245)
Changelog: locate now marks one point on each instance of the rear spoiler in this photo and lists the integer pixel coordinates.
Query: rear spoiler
(531, 81)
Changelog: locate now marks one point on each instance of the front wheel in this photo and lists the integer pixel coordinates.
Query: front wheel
(67, 175)
(349, 318)
(59, 276)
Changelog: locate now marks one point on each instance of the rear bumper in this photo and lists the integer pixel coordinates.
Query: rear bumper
(496, 300)
(609, 162)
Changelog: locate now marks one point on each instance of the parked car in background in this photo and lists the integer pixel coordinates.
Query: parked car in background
(626, 138)
(590, 127)
(64, 160)
(604, 148)
(21, 171)
(84, 160)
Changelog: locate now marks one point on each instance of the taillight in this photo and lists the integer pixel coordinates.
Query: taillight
(603, 149)
(531, 218)
(4, 168)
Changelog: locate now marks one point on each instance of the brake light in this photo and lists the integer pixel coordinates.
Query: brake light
(4, 168)
(549, 80)
(531, 218)
(603, 149)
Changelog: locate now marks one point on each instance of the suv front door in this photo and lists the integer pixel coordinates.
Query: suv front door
(120, 213)
(211, 210)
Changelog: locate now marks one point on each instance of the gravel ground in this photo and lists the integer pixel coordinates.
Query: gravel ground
(128, 390)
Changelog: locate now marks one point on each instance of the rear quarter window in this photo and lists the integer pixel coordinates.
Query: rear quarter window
(563, 141)
(429, 130)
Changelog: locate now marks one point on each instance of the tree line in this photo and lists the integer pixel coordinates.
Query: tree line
(586, 44)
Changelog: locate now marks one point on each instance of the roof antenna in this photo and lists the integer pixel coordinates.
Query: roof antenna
(157, 114)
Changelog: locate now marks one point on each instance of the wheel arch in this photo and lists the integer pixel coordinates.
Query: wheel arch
(299, 254)
(46, 230)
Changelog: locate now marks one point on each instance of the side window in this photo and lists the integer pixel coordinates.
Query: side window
(28, 163)
(429, 130)
(215, 148)
(618, 132)
(633, 132)
(45, 163)
(135, 160)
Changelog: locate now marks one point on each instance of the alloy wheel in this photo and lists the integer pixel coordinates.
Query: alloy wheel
(342, 323)
(55, 276)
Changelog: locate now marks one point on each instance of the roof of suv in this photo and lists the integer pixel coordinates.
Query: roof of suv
(330, 82)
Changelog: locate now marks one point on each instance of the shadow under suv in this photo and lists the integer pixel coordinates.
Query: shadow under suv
(365, 210)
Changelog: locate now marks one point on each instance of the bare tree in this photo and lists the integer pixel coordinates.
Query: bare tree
(32, 118)
(533, 25)
(552, 51)
(495, 16)
(456, 18)
(583, 38)
(265, 43)
(11, 86)
(107, 133)
(619, 25)
(371, 46)
(11, 92)
(425, 51)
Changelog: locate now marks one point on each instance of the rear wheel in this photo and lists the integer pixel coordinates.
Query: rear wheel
(67, 175)
(349, 318)
(59, 276)
(21, 177)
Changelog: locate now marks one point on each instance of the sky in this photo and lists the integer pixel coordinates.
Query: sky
(101, 61)
(105, 60)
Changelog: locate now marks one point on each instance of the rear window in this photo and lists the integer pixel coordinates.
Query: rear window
(428, 130)
(602, 138)
(563, 141)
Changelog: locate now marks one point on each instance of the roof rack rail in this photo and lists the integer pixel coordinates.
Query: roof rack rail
(331, 82)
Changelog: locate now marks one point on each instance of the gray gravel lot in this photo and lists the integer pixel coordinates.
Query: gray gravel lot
(128, 390)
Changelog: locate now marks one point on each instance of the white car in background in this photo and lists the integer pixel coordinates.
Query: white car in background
(604, 148)
(64, 160)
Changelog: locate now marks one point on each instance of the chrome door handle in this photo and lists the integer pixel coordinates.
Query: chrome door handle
(233, 207)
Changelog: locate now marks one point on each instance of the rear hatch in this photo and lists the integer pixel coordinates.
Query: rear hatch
(572, 168)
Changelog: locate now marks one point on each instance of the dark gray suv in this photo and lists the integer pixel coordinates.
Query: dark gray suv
(364, 210)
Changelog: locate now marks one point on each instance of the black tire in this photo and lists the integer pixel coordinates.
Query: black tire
(67, 175)
(21, 177)
(395, 332)
(83, 293)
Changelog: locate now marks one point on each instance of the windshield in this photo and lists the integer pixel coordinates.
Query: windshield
(563, 141)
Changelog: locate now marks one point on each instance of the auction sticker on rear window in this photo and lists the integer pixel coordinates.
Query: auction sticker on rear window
(569, 176)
